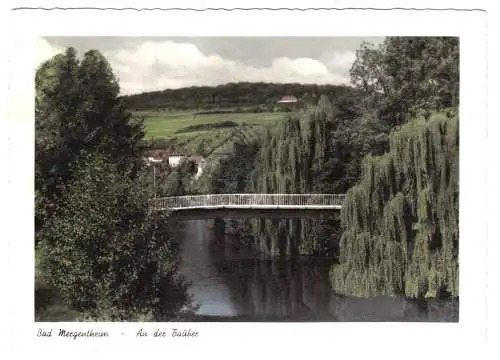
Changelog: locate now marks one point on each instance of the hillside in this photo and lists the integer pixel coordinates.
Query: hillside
(206, 119)
(232, 95)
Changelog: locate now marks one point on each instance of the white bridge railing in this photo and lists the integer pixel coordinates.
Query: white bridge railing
(250, 201)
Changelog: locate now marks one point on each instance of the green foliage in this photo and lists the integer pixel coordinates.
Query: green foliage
(203, 135)
(77, 112)
(97, 245)
(400, 223)
(320, 156)
(233, 172)
(406, 76)
(295, 156)
(400, 227)
(106, 253)
(176, 181)
(198, 127)
(249, 97)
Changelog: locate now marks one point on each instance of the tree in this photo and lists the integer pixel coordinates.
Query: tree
(107, 127)
(178, 181)
(77, 113)
(246, 96)
(106, 254)
(57, 93)
(202, 149)
(99, 245)
(405, 76)
(232, 175)
(400, 222)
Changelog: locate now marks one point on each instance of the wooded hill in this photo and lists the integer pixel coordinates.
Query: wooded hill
(232, 95)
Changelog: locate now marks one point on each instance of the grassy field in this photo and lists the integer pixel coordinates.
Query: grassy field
(166, 124)
(175, 127)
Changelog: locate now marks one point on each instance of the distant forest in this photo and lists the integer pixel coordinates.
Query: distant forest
(260, 96)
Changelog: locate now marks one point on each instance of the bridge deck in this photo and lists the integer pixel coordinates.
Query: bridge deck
(250, 204)
(239, 213)
(256, 207)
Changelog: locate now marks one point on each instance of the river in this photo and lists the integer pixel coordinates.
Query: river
(226, 286)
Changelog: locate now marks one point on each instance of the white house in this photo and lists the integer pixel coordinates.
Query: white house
(152, 160)
(288, 100)
(175, 160)
(154, 157)
(158, 156)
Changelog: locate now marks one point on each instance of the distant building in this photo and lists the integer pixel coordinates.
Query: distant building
(288, 100)
(154, 156)
(175, 160)
(158, 156)
(151, 160)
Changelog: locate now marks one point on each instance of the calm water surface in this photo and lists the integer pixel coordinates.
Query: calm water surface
(241, 286)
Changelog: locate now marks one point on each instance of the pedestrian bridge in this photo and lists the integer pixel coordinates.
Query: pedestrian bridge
(249, 205)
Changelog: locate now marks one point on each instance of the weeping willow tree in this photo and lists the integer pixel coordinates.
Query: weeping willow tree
(320, 154)
(279, 168)
(291, 160)
(400, 222)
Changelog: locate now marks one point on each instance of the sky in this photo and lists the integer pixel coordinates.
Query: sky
(144, 64)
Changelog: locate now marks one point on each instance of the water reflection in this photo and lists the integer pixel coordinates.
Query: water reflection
(240, 285)
(209, 293)
(280, 289)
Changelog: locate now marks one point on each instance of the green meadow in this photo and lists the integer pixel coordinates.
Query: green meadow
(177, 128)
(167, 124)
